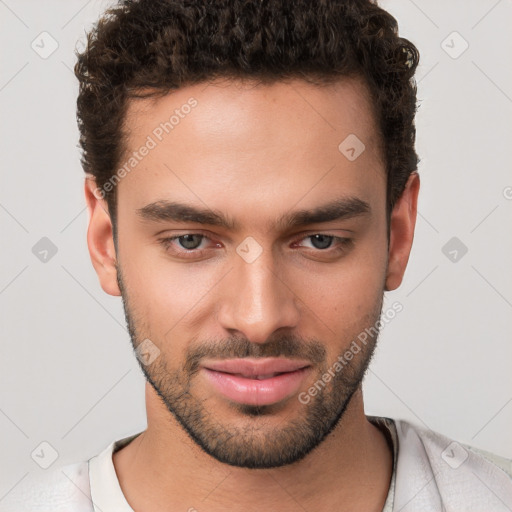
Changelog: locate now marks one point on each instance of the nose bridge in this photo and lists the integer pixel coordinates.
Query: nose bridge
(260, 301)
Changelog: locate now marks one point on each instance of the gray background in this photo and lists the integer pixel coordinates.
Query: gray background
(68, 375)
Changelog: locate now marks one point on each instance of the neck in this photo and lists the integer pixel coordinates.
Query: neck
(164, 470)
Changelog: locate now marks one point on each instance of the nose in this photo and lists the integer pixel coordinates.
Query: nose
(257, 300)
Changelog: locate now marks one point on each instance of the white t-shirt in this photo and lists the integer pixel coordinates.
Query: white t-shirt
(431, 473)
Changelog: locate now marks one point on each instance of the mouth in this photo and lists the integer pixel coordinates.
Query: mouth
(256, 377)
(256, 382)
(256, 368)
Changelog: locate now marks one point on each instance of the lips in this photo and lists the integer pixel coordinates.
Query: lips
(256, 368)
(256, 381)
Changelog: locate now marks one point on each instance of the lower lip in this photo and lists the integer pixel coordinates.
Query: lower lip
(256, 392)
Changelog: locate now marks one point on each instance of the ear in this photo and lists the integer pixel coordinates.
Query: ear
(402, 224)
(100, 239)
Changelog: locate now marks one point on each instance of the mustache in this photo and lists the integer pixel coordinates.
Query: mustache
(239, 347)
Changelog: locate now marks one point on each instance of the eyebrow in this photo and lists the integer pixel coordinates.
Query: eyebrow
(171, 211)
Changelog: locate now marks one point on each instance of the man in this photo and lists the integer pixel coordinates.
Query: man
(252, 191)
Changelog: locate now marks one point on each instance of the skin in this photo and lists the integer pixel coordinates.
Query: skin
(254, 153)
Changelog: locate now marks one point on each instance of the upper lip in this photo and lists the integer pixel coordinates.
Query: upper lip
(256, 367)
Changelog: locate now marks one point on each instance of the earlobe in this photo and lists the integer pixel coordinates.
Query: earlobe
(402, 224)
(100, 240)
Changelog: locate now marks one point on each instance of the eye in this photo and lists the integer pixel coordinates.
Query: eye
(327, 243)
(189, 241)
(321, 241)
(190, 245)
(187, 245)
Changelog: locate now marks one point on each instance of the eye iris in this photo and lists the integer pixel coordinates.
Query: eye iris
(321, 241)
(187, 241)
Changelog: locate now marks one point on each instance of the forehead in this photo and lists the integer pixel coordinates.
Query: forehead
(259, 141)
(231, 108)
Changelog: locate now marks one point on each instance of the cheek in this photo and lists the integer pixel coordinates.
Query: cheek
(169, 296)
(176, 299)
(346, 298)
(349, 286)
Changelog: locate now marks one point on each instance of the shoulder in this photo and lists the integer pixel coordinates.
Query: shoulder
(454, 453)
(502, 462)
(64, 489)
(452, 473)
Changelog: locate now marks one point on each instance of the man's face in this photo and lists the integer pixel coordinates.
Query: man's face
(261, 287)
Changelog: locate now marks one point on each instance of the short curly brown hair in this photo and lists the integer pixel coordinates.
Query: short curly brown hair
(159, 45)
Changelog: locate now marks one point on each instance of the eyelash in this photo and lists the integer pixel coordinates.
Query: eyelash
(343, 244)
